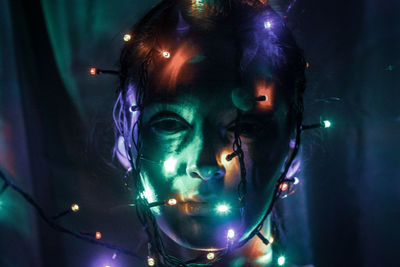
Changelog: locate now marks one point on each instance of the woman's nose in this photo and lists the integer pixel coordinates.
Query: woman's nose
(206, 172)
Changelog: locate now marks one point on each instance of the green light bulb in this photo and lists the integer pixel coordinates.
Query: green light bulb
(223, 208)
(281, 260)
(327, 124)
(169, 165)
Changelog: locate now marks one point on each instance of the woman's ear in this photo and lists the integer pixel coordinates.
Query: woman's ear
(122, 154)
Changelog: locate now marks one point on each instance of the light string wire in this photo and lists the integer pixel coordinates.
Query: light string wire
(144, 213)
(57, 226)
(143, 208)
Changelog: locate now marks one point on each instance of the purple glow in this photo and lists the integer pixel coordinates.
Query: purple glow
(294, 168)
(267, 24)
(231, 234)
(292, 143)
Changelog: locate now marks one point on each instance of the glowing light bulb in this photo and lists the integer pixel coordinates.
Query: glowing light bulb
(171, 202)
(267, 25)
(107, 265)
(127, 37)
(284, 186)
(211, 256)
(170, 164)
(296, 180)
(97, 235)
(223, 208)
(231, 234)
(93, 71)
(327, 124)
(281, 260)
(74, 207)
(151, 261)
(307, 65)
(166, 54)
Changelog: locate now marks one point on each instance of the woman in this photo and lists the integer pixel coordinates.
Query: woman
(208, 121)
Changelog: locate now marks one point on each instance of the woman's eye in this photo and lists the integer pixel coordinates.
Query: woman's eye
(168, 123)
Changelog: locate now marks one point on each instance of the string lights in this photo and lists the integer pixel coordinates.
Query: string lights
(127, 37)
(97, 235)
(267, 24)
(223, 208)
(210, 256)
(281, 260)
(231, 234)
(169, 165)
(151, 261)
(74, 208)
(171, 202)
(322, 124)
(264, 239)
(166, 54)
(95, 71)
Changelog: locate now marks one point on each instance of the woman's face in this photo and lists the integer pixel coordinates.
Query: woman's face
(187, 133)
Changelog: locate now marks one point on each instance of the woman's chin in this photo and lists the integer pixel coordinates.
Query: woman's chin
(203, 233)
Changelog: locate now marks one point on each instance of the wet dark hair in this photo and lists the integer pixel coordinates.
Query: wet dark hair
(255, 30)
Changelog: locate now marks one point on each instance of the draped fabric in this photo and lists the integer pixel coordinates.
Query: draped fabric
(56, 132)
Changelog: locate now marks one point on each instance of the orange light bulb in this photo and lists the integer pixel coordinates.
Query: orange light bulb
(284, 186)
(98, 235)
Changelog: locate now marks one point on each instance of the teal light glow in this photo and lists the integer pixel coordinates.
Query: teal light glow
(267, 24)
(281, 260)
(170, 165)
(327, 124)
(223, 208)
(149, 193)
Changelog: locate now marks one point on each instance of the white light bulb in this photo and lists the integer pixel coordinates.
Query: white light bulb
(231, 234)
(170, 164)
(281, 260)
(223, 208)
(327, 124)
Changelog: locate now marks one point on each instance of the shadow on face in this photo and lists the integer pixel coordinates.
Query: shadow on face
(189, 120)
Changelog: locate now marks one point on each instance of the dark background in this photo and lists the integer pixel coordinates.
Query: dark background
(56, 132)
